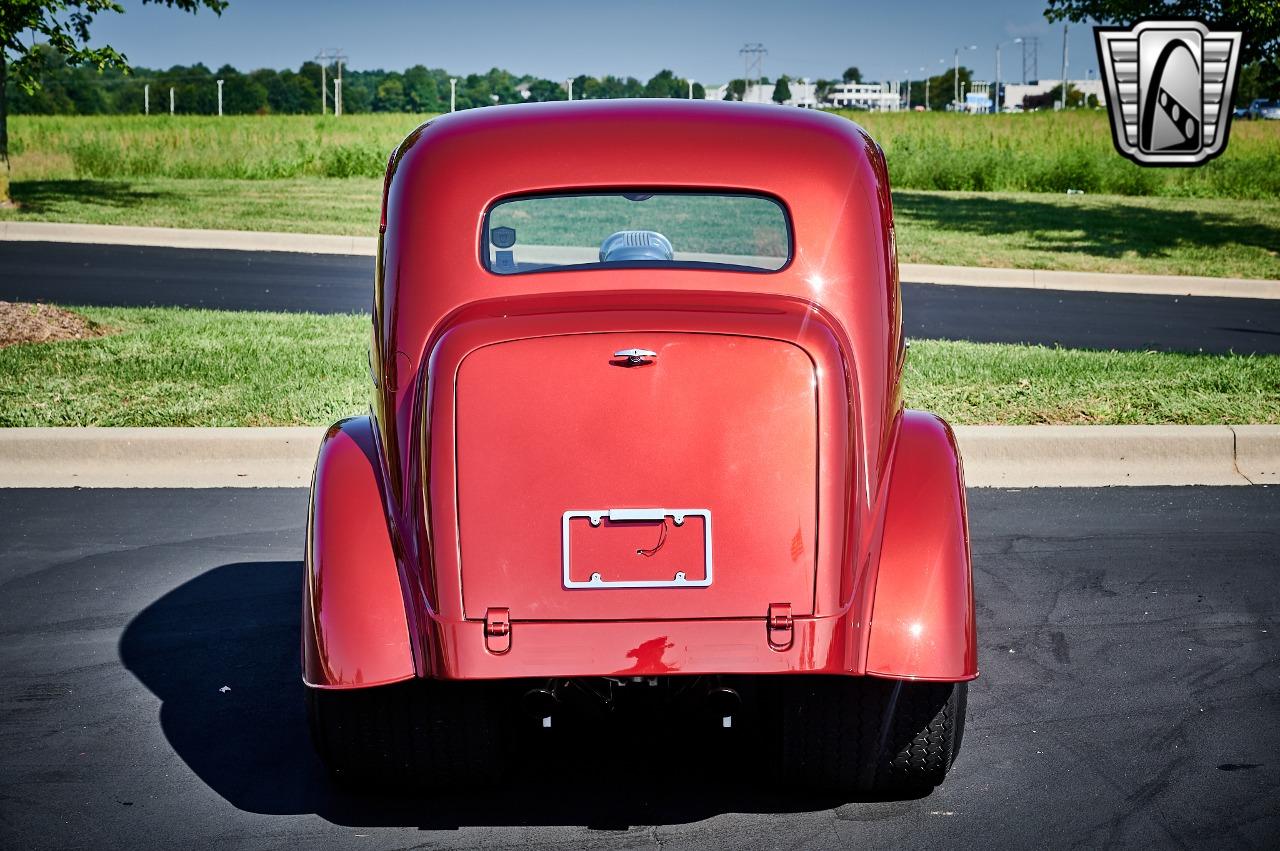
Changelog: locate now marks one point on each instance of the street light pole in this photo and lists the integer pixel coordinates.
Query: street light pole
(453, 93)
(998, 101)
(955, 79)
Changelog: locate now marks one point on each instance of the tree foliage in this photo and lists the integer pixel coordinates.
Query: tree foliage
(1258, 20)
(781, 90)
(64, 26)
(851, 75)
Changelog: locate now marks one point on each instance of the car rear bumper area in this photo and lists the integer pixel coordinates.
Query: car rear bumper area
(779, 644)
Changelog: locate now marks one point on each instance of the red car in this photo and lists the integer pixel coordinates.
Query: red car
(638, 427)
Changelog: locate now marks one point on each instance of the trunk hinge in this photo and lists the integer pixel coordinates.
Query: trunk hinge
(780, 626)
(497, 630)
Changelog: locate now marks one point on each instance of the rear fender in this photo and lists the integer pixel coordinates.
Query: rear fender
(356, 630)
(922, 623)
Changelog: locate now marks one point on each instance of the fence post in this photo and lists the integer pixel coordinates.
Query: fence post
(146, 98)
(219, 97)
(171, 100)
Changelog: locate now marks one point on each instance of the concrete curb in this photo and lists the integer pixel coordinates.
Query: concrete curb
(225, 240)
(995, 456)
(1096, 282)
(366, 246)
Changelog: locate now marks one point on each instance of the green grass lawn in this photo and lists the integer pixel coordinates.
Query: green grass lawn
(970, 190)
(1035, 152)
(1104, 233)
(172, 367)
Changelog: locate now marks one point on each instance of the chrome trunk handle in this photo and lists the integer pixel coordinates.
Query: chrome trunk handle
(636, 356)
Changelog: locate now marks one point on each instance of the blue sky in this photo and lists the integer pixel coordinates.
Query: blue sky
(557, 39)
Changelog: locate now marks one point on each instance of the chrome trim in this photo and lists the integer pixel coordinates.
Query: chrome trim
(617, 515)
(636, 356)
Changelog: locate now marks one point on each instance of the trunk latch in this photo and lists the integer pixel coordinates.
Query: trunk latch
(780, 626)
(497, 630)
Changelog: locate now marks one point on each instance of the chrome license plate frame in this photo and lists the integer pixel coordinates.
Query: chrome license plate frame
(622, 515)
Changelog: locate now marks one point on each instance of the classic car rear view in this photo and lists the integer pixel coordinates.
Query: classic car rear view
(638, 428)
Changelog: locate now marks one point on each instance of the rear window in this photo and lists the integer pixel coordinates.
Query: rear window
(637, 229)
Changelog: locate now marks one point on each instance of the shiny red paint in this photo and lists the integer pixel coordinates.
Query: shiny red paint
(922, 616)
(497, 409)
(355, 629)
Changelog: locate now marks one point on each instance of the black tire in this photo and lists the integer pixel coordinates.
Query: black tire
(439, 736)
(870, 736)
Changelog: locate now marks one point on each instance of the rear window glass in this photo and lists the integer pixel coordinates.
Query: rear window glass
(637, 229)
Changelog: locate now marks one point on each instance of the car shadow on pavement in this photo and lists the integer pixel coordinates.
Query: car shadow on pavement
(221, 653)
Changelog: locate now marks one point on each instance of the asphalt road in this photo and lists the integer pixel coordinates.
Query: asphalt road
(239, 280)
(1130, 693)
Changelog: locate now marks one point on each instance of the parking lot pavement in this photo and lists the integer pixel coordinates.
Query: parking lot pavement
(1130, 693)
(262, 280)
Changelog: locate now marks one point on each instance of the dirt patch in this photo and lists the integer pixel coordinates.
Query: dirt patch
(22, 322)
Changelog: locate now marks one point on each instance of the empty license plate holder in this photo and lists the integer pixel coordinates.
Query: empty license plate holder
(622, 517)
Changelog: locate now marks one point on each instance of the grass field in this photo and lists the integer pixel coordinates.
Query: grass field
(1173, 236)
(1037, 152)
(170, 367)
(1005, 179)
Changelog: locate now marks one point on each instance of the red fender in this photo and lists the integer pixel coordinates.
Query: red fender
(355, 627)
(922, 622)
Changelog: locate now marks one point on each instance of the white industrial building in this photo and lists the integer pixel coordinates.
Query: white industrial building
(1015, 92)
(880, 97)
(803, 93)
(877, 97)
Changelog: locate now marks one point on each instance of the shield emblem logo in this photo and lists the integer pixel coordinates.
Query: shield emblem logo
(1169, 86)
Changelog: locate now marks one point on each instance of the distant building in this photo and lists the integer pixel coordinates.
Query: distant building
(1014, 93)
(803, 93)
(878, 97)
(978, 99)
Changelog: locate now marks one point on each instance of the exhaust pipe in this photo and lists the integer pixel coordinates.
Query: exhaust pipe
(540, 703)
(724, 703)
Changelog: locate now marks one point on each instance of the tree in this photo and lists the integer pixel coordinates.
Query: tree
(781, 91)
(390, 95)
(541, 91)
(1258, 20)
(64, 24)
(665, 84)
(852, 75)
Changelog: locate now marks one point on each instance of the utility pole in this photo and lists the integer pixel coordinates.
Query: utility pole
(337, 95)
(907, 74)
(324, 57)
(171, 100)
(691, 82)
(219, 98)
(753, 55)
(568, 85)
(453, 93)
(998, 101)
(955, 79)
(1064, 66)
(146, 98)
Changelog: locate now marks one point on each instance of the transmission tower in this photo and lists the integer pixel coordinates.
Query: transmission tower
(1030, 58)
(753, 61)
(325, 57)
